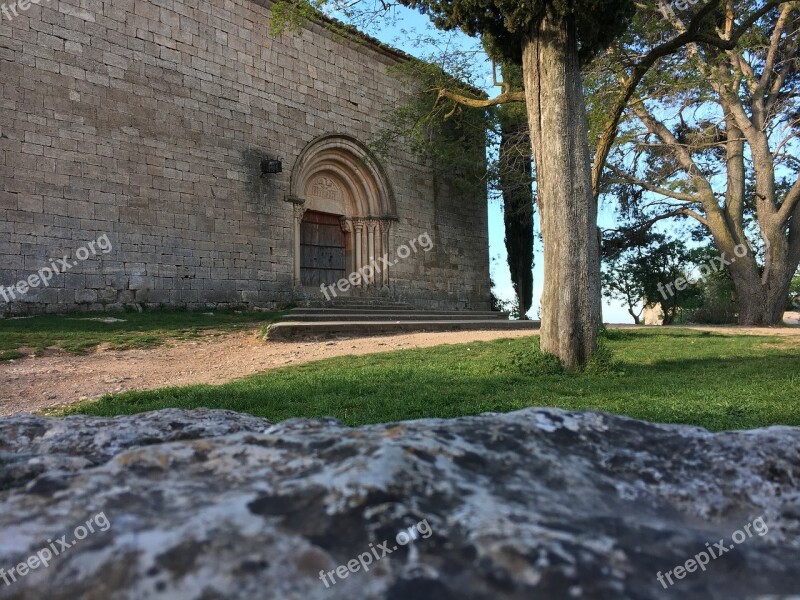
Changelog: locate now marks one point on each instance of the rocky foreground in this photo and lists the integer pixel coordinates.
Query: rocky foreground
(539, 503)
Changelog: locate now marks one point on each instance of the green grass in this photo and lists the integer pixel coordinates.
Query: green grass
(79, 333)
(666, 375)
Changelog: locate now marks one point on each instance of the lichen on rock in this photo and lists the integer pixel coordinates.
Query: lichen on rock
(539, 503)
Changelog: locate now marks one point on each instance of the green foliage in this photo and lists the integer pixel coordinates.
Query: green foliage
(718, 306)
(451, 138)
(508, 306)
(603, 361)
(649, 178)
(81, 332)
(665, 375)
(531, 361)
(291, 16)
(646, 271)
(515, 179)
(497, 304)
(642, 271)
(506, 25)
(794, 294)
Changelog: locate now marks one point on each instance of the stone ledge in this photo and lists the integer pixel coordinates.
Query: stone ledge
(539, 503)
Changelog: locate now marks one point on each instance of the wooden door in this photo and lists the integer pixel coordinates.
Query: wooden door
(322, 249)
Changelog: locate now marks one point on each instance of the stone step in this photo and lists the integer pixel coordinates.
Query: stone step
(287, 330)
(392, 315)
(334, 313)
(346, 303)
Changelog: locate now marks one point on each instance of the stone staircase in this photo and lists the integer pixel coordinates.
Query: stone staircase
(355, 317)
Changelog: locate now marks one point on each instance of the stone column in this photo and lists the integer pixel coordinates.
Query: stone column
(299, 210)
(386, 224)
(371, 225)
(358, 225)
(347, 228)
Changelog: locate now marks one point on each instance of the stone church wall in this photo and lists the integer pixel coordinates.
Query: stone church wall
(145, 122)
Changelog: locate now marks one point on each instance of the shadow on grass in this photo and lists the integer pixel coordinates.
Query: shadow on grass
(620, 335)
(717, 382)
(80, 332)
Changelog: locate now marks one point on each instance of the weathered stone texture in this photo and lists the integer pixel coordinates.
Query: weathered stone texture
(146, 120)
(539, 503)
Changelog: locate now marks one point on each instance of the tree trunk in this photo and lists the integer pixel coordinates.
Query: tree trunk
(571, 314)
(756, 308)
(761, 301)
(760, 296)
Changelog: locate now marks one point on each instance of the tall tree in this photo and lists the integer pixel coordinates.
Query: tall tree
(714, 135)
(550, 39)
(639, 270)
(515, 178)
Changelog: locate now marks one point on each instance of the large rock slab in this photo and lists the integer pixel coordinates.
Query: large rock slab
(539, 503)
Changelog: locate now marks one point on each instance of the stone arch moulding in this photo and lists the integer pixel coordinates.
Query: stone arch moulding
(338, 175)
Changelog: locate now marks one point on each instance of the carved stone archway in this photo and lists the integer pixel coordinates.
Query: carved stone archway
(337, 175)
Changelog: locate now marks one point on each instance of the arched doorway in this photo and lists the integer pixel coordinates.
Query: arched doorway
(337, 182)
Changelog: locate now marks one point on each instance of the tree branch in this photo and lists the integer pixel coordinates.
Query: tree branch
(690, 213)
(504, 98)
(655, 188)
(791, 52)
(630, 84)
(501, 84)
(645, 225)
(774, 47)
(691, 34)
(683, 155)
(790, 203)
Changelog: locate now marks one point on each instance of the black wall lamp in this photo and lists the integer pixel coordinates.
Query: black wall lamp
(270, 166)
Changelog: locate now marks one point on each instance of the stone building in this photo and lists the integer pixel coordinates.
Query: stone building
(220, 164)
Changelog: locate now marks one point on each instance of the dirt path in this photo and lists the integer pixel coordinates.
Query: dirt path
(32, 384)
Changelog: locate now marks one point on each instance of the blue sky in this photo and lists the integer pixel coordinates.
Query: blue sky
(405, 29)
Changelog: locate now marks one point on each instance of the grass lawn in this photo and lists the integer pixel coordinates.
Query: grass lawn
(666, 375)
(80, 332)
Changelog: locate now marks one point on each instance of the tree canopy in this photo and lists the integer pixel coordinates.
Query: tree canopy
(712, 134)
(505, 24)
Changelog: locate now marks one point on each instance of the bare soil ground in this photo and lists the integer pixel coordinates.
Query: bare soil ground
(33, 384)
